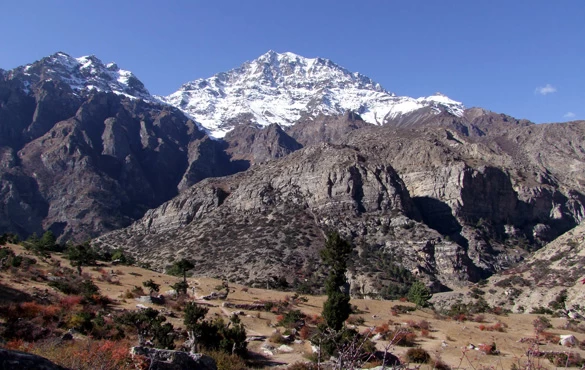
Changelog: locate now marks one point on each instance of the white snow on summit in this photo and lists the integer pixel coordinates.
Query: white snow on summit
(282, 88)
(83, 74)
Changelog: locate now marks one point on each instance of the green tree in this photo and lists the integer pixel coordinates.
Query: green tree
(151, 285)
(213, 335)
(336, 308)
(121, 257)
(194, 314)
(148, 323)
(48, 242)
(180, 268)
(81, 255)
(419, 294)
(180, 287)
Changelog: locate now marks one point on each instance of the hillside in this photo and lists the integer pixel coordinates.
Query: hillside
(446, 337)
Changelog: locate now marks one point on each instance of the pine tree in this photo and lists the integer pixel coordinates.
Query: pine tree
(337, 308)
(419, 294)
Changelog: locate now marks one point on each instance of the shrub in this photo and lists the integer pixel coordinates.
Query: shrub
(500, 327)
(479, 318)
(438, 364)
(550, 337)
(383, 329)
(70, 301)
(102, 354)
(302, 366)
(541, 323)
(277, 338)
(417, 355)
(488, 349)
(180, 287)
(225, 361)
(569, 359)
(402, 309)
(305, 333)
(423, 324)
(290, 319)
(356, 320)
(401, 337)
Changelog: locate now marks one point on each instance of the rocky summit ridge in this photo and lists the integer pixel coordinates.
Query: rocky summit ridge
(284, 88)
(82, 75)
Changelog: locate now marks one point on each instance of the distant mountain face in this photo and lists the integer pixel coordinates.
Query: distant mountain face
(82, 75)
(85, 149)
(285, 88)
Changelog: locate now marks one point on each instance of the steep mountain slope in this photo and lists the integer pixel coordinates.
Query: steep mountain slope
(284, 88)
(269, 222)
(480, 208)
(83, 152)
(551, 279)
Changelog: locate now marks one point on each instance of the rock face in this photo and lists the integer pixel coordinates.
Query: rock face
(269, 222)
(161, 359)
(22, 360)
(451, 208)
(256, 145)
(552, 278)
(83, 151)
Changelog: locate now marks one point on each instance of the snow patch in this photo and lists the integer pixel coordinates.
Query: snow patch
(281, 88)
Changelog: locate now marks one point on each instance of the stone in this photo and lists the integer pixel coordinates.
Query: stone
(285, 349)
(22, 360)
(568, 341)
(174, 360)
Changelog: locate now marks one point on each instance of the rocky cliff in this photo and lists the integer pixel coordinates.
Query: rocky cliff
(270, 221)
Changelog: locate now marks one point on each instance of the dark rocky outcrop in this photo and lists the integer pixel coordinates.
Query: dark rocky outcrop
(161, 359)
(13, 360)
(270, 221)
(81, 163)
(256, 144)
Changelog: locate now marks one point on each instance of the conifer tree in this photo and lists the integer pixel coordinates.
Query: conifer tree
(336, 308)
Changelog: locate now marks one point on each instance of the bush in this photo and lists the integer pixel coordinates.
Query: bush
(488, 349)
(569, 359)
(291, 319)
(82, 355)
(225, 361)
(355, 320)
(302, 366)
(417, 355)
(277, 338)
(541, 323)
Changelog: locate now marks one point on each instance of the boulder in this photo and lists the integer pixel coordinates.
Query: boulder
(285, 349)
(22, 360)
(568, 341)
(163, 359)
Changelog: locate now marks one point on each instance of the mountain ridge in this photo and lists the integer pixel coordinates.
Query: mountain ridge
(283, 88)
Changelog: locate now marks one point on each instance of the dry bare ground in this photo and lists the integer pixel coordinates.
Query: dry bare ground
(447, 339)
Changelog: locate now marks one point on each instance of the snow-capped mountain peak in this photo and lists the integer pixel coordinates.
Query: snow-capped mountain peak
(284, 87)
(82, 75)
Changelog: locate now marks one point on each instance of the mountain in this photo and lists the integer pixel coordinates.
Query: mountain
(285, 88)
(81, 75)
(85, 149)
(450, 208)
(268, 223)
(423, 188)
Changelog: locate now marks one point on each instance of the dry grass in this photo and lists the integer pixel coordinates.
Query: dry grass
(443, 338)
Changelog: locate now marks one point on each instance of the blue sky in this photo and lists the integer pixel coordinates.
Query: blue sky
(523, 58)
